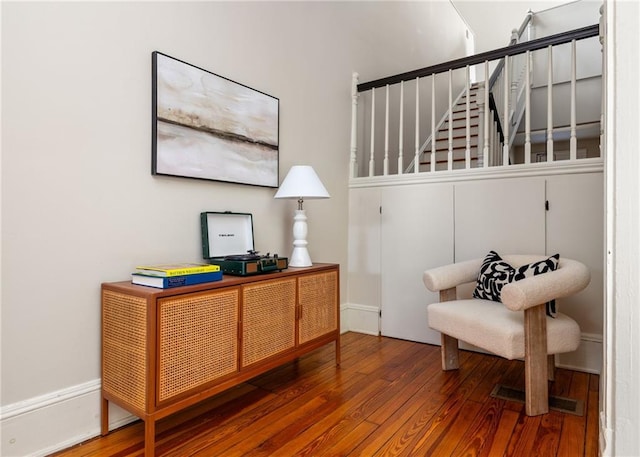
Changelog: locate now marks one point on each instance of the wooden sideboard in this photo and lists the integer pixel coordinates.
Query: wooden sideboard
(167, 349)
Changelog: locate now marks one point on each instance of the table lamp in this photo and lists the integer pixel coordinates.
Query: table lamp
(301, 182)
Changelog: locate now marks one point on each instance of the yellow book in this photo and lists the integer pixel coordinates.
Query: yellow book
(176, 269)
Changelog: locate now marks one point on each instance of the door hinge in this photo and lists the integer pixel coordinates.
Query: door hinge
(546, 205)
(381, 210)
(380, 313)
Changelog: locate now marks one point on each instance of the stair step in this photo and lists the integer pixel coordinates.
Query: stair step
(462, 113)
(443, 143)
(444, 165)
(443, 135)
(457, 151)
(443, 158)
(472, 95)
(460, 123)
(461, 120)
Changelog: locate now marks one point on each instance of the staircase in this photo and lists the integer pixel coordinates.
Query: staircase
(459, 136)
(504, 133)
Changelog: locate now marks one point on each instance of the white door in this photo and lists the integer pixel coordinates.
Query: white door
(363, 291)
(503, 215)
(575, 229)
(416, 234)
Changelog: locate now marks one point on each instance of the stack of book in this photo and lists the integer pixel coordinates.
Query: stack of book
(175, 275)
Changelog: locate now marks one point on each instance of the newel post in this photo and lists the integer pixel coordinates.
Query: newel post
(354, 126)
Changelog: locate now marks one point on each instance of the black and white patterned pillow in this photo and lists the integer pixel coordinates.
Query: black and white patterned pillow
(494, 274)
(537, 268)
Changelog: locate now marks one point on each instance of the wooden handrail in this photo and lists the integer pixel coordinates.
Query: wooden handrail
(519, 48)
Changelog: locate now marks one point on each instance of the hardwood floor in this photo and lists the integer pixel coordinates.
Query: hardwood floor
(388, 398)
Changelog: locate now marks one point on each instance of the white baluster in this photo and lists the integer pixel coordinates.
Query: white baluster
(494, 142)
(373, 130)
(506, 121)
(467, 150)
(385, 162)
(550, 106)
(433, 122)
(481, 122)
(353, 165)
(573, 142)
(400, 133)
(450, 149)
(514, 108)
(487, 118)
(527, 111)
(416, 159)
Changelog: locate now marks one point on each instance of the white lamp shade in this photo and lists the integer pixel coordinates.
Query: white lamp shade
(301, 182)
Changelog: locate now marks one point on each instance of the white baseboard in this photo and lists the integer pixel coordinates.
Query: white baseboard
(363, 318)
(588, 356)
(605, 437)
(344, 318)
(48, 423)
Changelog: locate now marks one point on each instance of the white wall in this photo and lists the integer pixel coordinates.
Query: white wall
(491, 33)
(619, 393)
(79, 205)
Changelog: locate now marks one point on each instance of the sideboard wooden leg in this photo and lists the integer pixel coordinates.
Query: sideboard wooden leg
(104, 419)
(149, 437)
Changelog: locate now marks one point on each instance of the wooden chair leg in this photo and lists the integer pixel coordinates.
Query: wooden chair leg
(449, 352)
(551, 367)
(448, 344)
(535, 361)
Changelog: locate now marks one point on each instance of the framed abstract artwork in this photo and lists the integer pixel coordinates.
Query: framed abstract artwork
(206, 126)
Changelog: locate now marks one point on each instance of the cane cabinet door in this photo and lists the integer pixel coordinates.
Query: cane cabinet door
(268, 319)
(318, 305)
(197, 340)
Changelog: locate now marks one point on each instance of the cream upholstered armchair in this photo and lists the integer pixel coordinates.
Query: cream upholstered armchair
(520, 326)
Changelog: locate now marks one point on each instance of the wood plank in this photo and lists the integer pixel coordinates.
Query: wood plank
(449, 439)
(479, 436)
(427, 400)
(321, 433)
(592, 411)
(346, 445)
(548, 436)
(522, 440)
(502, 434)
(437, 436)
(574, 427)
(236, 432)
(405, 389)
(389, 397)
